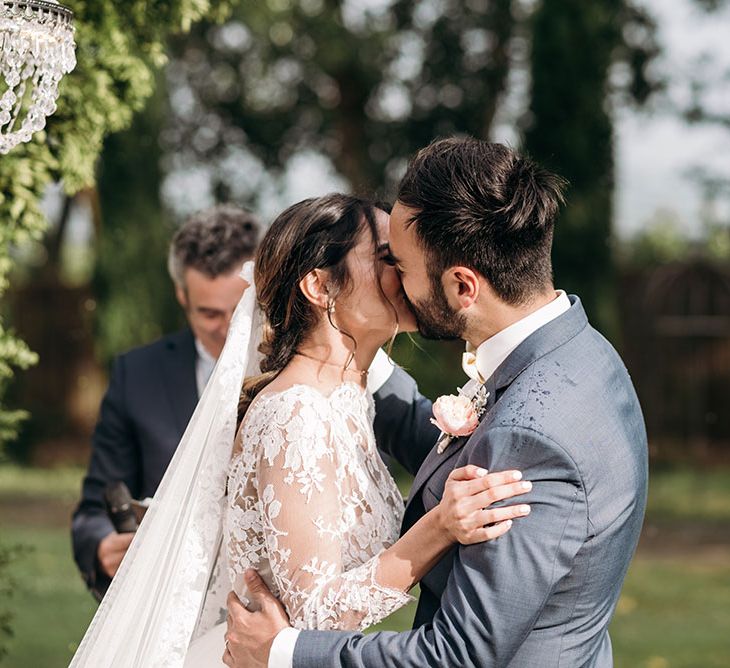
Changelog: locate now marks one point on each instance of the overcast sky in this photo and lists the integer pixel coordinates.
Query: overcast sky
(655, 149)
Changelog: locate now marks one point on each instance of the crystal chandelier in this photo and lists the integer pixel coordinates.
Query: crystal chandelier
(36, 49)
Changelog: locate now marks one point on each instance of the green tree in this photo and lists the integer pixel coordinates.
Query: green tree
(121, 46)
(364, 88)
(133, 294)
(576, 48)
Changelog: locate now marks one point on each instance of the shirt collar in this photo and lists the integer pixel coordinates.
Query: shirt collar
(204, 365)
(203, 353)
(481, 363)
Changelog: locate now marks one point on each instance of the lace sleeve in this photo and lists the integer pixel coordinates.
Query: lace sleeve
(302, 483)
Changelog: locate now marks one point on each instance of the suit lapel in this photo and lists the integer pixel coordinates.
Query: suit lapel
(432, 463)
(554, 334)
(546, 339)
(178, 377)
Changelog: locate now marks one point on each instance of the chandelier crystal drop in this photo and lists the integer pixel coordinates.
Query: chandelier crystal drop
(36, 49)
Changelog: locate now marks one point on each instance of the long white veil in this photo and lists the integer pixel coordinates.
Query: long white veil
(155, 603)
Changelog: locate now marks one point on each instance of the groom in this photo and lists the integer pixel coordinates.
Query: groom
(471, 233)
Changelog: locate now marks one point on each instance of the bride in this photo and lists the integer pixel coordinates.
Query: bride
(309, 503)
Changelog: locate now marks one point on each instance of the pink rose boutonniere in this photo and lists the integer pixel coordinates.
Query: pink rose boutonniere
(457, 415)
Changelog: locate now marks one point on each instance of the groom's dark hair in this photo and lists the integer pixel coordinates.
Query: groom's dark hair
(481, 205)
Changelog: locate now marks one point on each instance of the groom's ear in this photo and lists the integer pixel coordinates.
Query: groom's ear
(461, 286)
(314, 288)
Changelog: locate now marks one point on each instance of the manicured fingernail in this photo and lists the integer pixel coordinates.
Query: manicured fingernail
(509, 523)
(525, 510)
(526, 485)
(517, 475)
(482, 472)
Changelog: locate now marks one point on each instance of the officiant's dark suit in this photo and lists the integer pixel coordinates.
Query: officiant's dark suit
(153, 390)
(151, 396)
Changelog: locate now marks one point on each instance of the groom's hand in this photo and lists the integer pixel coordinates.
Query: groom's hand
(251, 634)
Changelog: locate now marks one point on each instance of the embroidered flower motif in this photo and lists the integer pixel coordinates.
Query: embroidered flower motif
(458, 415)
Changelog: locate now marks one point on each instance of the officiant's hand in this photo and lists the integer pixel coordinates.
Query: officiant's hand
(251, 634)
(111, 551)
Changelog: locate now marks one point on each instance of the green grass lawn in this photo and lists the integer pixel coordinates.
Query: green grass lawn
(689, 495)
(50, 604)
(674, 612)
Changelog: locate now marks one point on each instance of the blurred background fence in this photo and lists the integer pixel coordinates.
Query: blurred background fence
(265, 103)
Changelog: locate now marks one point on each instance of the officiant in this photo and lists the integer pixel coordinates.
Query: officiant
(153, 390)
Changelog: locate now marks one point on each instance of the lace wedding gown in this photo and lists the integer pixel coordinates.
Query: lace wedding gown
(311, 505)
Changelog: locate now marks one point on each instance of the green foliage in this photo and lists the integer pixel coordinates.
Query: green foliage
(366, 88)
(664, 238)
(660, 240)
(13, 353)
(120, 47)
(9, 554)
(134, 296)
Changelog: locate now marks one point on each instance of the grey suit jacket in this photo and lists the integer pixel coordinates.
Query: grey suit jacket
(562, 410)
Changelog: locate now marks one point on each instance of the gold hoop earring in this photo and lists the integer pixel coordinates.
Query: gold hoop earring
(330, 312)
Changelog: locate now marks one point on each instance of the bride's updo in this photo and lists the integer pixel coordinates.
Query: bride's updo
(316, 233)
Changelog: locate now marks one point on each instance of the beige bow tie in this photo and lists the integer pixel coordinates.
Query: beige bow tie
(469, 364)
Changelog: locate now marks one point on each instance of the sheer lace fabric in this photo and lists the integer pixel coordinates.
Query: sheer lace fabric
(311, 505)
(163, 594)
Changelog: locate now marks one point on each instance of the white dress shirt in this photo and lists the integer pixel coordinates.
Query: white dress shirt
(479, 365)
(204, 365)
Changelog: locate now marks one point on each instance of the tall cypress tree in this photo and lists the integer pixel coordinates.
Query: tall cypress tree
(571, 132)
(570, 129)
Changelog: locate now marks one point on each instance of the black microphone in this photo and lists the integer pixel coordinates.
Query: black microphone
(119, 506)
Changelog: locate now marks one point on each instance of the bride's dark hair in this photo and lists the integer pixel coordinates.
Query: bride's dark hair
(316, 233)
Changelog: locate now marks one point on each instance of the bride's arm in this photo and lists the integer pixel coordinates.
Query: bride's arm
(462, 516)
(302, 483)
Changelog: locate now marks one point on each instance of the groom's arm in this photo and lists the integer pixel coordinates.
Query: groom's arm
(402, 426)
(497, 589)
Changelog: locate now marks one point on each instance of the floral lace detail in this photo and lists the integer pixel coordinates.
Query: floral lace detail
(169, 574)
(311, 506)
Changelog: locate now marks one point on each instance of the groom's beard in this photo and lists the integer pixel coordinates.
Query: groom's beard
(435, 318)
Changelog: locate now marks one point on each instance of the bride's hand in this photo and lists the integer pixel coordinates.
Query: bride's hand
(464, 511)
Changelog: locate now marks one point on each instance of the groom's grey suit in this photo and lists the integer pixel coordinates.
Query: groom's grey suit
(562, 409)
